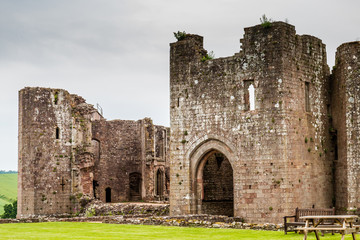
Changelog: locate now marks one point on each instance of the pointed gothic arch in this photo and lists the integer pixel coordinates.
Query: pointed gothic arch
(212, 178)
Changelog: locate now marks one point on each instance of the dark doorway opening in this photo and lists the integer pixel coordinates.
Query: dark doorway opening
(159, 183)
(216, 187)
(108, 194)
(95, 185)
(135, 186)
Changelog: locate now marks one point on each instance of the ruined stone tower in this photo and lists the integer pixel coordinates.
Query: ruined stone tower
(67, 150)
(345, 116)
(250, 132)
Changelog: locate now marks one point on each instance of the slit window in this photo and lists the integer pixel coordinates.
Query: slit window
(57, 133)
(307, 97)
(249, 95)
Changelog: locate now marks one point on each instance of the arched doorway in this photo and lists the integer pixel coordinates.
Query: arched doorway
(159, 184)
(215, 187)
(108, 194)
(135, 186)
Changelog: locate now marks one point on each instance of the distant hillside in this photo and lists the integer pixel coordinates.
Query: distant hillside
(8, 189)
(7, 171)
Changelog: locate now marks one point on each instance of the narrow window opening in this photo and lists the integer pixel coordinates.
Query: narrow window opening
(252, 97)
(108, 194)
(307, 97)
(178, 102)
(62, 184)
(249, 95)
(57, 133)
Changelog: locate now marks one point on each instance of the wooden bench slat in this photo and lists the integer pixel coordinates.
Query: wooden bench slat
(322, 228)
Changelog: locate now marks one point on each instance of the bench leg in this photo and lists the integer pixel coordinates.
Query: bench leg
(342, 236)
(305, 234)
(317, 235)
(353, 235)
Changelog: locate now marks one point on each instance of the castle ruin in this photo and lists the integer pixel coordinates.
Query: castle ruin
(67, 150)
(253, 135)
(257, 134)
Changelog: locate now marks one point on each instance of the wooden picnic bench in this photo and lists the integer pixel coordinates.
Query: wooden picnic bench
(300, 212)
(344, 224)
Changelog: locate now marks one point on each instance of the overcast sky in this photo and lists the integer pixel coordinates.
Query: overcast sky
(116, 52)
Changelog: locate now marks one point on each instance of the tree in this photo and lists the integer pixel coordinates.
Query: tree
(10, 210)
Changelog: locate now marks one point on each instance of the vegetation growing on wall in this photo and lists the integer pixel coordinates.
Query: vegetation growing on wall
(208, 56)
(180, 35)
(265, 22)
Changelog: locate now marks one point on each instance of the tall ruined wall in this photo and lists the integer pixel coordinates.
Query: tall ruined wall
(120, 155)
(346, 125)
(126, 162)
(50, 137)
(157, 171)
(277, 151)
(67, 150)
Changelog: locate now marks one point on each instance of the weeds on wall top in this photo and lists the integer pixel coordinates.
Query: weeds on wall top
(265, 22)
(180, 35)
(208, 56)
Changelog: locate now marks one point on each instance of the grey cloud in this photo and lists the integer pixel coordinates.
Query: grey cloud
(116, 52)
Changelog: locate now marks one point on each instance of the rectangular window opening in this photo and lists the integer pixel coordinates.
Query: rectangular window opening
(249, 95)
(57, 133)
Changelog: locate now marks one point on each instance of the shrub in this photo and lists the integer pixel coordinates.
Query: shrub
(10, 210)
(208, 56)
(265, 22)
(180, 35)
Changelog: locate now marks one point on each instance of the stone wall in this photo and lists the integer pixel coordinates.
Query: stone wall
(345, 110)
(48, 135)
(67, 150)
(277, 150)
(128, 162)
(120, 156)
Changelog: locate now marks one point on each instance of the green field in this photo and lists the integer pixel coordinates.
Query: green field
(115, 231)
(8, 189)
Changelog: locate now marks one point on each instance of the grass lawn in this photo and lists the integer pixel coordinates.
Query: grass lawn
(115, 231)
(8, 189)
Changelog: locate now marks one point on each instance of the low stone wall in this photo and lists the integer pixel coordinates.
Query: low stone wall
(147, 214)
(134, 209)
(206, 221)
